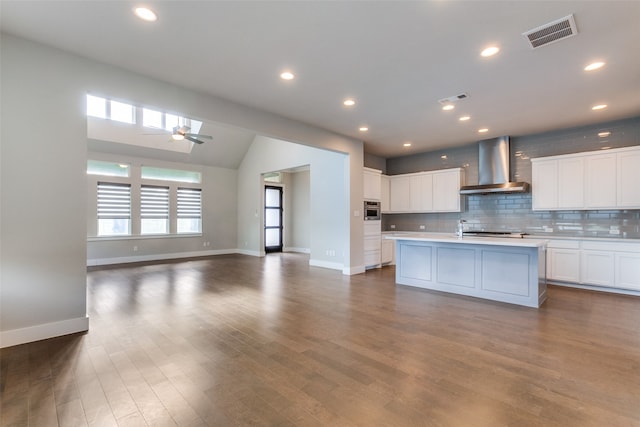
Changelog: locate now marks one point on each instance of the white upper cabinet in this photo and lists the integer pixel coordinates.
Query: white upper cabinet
(544, 184)
(400, 193)
(600, 189)
(421, 187)
(446, 190)
(372, 184)
(571, 183)
(424, 192)
(583, 181)
(629, 179)
(385, 195)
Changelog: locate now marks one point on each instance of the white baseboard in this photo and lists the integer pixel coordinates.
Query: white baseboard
(595, 288)
(326, 264)
(43, 331)
(350, 271)
(294, 249)
(248, 252)
(159, 257)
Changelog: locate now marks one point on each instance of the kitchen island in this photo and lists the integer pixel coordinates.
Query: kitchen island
(501, 269)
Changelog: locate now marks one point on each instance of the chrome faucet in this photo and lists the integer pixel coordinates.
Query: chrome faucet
(461, 228)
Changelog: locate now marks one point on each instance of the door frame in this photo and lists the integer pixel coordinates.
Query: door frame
(271, 249)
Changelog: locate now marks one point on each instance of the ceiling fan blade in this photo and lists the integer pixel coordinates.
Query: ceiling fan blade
(181, 129)
(198, 135)
(197, 141)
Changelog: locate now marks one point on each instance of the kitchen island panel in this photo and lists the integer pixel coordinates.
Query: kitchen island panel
(511, 273)
(506, 272)
(456, 266)
(418, 264)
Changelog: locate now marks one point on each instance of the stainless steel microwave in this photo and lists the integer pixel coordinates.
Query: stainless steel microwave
(371, 210)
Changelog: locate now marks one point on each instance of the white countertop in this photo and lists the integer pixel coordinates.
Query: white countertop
(533, 236)
(468, 240)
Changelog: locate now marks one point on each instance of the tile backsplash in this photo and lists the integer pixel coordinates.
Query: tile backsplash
(512, 212)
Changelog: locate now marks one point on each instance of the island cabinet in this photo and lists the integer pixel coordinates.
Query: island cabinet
(424, 192)
(587, 181)
(507, 270)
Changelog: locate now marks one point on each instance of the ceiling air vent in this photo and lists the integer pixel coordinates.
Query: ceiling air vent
(552, 32)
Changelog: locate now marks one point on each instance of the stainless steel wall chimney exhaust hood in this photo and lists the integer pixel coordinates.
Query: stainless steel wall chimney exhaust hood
(493, 169)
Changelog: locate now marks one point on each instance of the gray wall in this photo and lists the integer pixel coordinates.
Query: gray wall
(42, 181)
(513, 211)
(300, 226)
(43, 232)
(328, 172)
(219, 218)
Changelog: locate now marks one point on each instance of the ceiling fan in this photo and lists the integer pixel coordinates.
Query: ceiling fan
(182, 132)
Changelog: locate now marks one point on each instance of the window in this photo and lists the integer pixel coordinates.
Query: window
(96, 167)
(175, 175)
(151, 118)
(189, 210)
(122, 112)
(114, 209)
(154, 210)
(114, 110)
(96, 107)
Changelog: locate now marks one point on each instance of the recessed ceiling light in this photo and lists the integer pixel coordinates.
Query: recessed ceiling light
(123, 166)
(349, 102)
(490, 51)
(363, 128)
(448, 107)
(443, 157)
(483, 130)
(406, 144)
(464, 118)
(287, 75)
(604, 134)
(594, 66)
(145, 14)
(605, 148)
(599, 107)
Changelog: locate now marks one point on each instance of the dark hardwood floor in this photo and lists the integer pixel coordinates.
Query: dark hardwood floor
(238, 340)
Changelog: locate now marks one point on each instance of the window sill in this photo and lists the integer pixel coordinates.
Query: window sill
(142, 237)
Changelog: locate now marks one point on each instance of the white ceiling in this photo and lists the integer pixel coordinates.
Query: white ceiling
(396, 58)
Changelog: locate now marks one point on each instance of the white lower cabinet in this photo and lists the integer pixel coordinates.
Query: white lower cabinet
(388, 249)
(590, 262)
(372, 233)
(627, 270)
(564, 265)
(597, 268)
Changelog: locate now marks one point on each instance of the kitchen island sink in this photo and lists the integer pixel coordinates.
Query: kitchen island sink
(500, 269)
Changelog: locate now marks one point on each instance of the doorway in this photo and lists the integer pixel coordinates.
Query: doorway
(272, 219)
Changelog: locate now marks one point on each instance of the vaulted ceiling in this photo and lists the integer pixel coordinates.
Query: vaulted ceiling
(396, 59)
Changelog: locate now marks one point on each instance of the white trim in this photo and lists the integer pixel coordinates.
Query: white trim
(349, 271)
(326, 264)
(596, 288)
(43, 331)
(293, 249)
(248, 252)
(159, 257)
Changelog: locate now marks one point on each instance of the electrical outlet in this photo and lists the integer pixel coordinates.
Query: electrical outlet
(392, 226)
(135, 248)
(422, 227)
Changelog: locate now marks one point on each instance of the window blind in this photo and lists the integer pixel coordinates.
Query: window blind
(154, 202)
(114, 201)
(189, 203)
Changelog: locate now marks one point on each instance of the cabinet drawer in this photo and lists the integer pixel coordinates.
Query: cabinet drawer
(372, 243)
(371, 258)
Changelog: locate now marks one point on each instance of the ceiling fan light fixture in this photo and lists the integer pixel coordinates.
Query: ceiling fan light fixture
(177, 137)
(145, 14)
